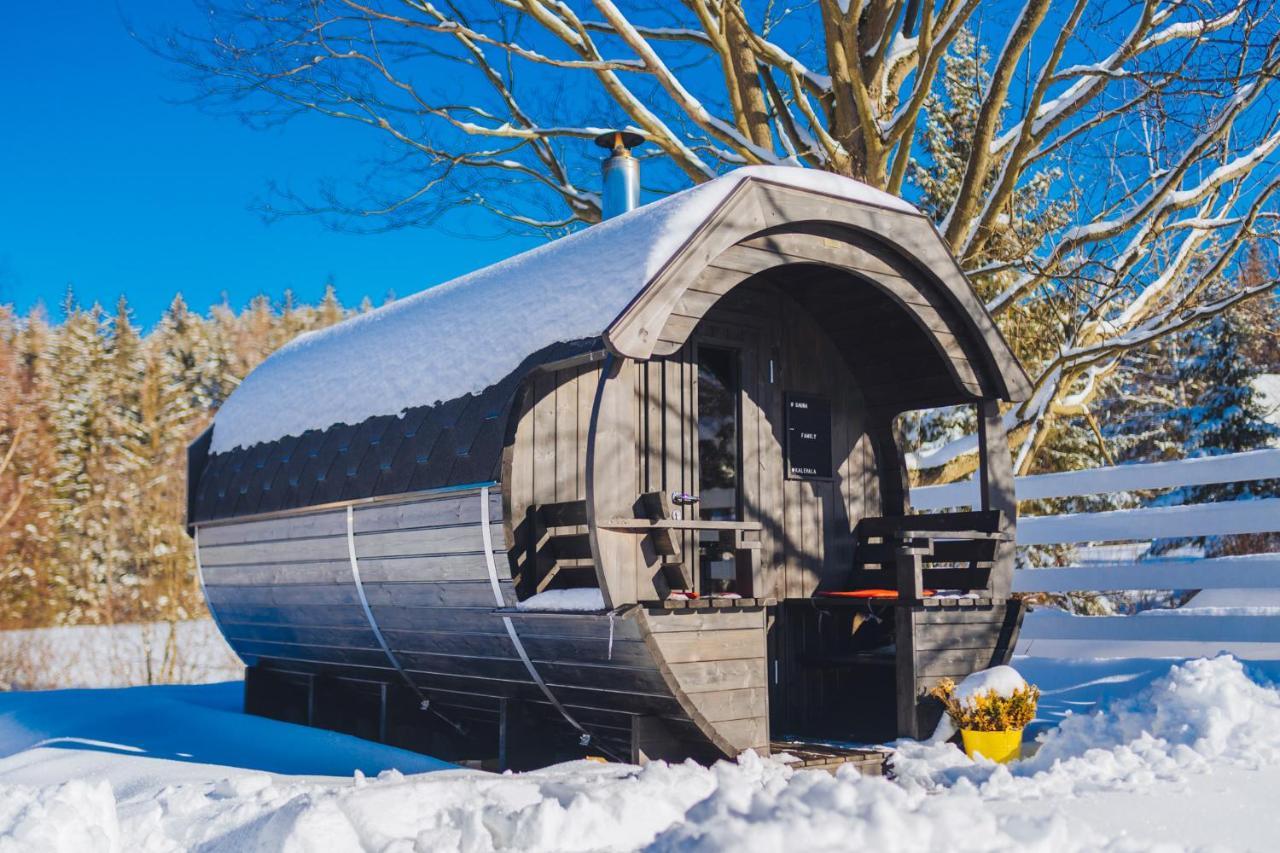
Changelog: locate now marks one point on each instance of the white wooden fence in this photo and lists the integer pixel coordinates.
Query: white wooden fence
(1253, 634)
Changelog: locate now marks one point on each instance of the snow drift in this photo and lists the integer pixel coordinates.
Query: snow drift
(1201, 716)
(1203, 713)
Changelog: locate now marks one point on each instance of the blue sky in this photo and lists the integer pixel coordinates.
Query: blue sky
(107, 186)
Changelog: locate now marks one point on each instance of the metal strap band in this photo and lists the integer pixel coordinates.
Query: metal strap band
(364, 604)
(506, 620)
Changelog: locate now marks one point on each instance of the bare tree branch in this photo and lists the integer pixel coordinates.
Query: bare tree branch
(1108, 200)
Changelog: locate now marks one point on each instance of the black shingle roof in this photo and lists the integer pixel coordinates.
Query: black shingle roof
(451, 443)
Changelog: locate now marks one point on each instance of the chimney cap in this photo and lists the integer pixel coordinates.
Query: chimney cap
(615, 139)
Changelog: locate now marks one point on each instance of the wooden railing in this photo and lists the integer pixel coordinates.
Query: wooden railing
(1167, 633)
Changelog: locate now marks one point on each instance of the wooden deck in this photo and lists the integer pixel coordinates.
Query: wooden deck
(869, 761)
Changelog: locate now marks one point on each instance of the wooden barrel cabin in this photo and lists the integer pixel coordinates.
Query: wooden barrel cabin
(639, 492)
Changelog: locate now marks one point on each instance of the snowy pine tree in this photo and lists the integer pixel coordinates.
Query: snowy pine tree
(951, 121)
(1137, 413)
(95, 417)
(82, 430)
(1221, 415)
(330, 310)
(28, 531)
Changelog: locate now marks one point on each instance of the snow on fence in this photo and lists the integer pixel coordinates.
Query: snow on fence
(1249, 631)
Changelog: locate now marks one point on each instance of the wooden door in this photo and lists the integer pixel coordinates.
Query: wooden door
(778, 348)
(724, 467)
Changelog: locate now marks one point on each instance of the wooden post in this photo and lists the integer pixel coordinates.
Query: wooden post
(750, 580)
(995, 470)
(905, 670)
(892, 465)
(504, 734)
(525, 741)
(311, 699)
(382, 712)
(894, 499)
(652, 741)
(995, 466)
(908, 573)
(538, 558)
(612, 487)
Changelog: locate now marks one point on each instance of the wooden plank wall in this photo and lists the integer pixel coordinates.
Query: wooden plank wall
(547, 460)
(282, 589)
(807, 537)
(807, 524)
(715, 664)
(626, 562)
(952, 642)
(801, 549)
(665, 398)
(284, 594)
(602, 671)
(819, 516)
(427, 580)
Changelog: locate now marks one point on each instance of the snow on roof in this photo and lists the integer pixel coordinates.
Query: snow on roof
(462, 336)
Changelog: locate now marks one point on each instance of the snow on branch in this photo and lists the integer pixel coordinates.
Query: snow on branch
(1167, 197)
(1102, 193)
(671, 84)
(1094, 77)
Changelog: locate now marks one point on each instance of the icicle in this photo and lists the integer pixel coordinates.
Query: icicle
(610, 635)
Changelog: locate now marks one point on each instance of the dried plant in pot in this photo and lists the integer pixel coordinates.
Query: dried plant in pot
(990, 722)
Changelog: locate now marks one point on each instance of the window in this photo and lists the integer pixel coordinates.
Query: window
(719, 462)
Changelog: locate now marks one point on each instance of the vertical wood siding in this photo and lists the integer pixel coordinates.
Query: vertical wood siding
(546, 460)
(807, 524)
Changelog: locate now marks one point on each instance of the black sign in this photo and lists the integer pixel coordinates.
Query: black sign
(808, 437)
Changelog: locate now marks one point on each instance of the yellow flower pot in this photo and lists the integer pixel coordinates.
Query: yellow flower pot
(1001, 747)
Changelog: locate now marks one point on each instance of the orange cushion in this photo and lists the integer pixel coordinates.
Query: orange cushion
(867, 593)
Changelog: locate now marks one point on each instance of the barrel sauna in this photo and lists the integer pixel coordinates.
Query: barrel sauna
(689, 415)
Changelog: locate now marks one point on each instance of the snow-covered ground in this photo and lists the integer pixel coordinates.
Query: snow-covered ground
(116, 656)
(1227, 602)
(1184, 756)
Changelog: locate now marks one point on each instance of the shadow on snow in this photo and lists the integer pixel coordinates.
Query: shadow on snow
(203, 724)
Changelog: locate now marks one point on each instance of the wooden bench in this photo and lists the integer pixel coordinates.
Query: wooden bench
(954, 550)
(710, 603)
(559, 544)
(741, 538)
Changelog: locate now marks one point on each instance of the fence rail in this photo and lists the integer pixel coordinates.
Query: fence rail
(1153, 633)
(1206, 471)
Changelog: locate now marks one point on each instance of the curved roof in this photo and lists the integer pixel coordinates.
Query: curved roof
(414, 395)
(464, 335)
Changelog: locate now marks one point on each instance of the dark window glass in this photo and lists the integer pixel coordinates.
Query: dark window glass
(718, 461)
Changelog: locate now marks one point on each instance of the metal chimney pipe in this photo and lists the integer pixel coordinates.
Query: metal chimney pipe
(621, 172)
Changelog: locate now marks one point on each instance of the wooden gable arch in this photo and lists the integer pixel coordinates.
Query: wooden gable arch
(763, 228)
